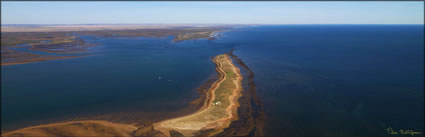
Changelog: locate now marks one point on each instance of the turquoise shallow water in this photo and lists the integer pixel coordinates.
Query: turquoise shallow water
(314, 80)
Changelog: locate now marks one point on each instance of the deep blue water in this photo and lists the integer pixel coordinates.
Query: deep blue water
(314, 80)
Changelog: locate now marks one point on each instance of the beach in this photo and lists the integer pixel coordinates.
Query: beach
(223, 98)
(217, 113)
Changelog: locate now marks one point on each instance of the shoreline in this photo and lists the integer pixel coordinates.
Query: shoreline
(75, 128)
(217, 125)
(41, 59)
(251, 110)
(66, 43)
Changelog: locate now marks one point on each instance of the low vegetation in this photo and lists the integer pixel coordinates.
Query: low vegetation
(220, 110)
(68, 42)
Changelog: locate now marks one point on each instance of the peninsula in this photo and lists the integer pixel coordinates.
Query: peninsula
(216, 114)
(220, 108)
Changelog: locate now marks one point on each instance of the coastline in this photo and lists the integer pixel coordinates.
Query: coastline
(239, 122)
(76, 128)
(66, 43)
(251, 110)
(41, 58)
(192, 124)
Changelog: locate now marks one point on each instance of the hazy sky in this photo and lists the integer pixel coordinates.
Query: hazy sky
(244, 12)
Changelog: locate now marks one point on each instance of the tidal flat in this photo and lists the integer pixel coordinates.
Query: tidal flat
(66, 40)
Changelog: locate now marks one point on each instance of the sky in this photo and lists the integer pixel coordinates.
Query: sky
(203, 12)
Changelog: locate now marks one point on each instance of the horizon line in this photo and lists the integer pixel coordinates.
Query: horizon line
(217, 24)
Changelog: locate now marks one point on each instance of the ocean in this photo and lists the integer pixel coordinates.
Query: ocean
(313, 80)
